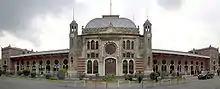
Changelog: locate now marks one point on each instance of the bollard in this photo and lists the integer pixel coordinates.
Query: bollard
(129, 82)
(177, 81)
(142, 84)
(95, 84)
(106, 85)
(75, 83)
(118, 84)
(84, 83)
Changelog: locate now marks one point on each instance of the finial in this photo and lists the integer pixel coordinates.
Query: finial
(110, 7)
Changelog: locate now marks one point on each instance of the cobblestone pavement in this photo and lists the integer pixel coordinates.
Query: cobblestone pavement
(190, 83)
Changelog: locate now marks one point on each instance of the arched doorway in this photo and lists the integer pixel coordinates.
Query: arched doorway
(110, 66)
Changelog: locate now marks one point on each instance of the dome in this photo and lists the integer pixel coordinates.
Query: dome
(110, 20)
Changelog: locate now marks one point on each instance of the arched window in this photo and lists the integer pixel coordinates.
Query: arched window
(155, 61)
(186, 68)
(128, 44)
(22, 62)
(28, 63)
(18, 63)
(65, 67)
(33, 63)
(123, 44)
(89, 67)
(95, 67)
(65, 61)
(40, 62)
(132, 45)
(171, 62)
(197, 63)
(92, 44)
(201, 63)
(131, 67)
(125, 67)
(148, 61)
(48, 62)
(179, 62)
(128, 55)
(192, 62)
(164, 68)
(88, 45)
(186, 62)
(171, 67)
(56, 62)
(163, 61)
(97, 45)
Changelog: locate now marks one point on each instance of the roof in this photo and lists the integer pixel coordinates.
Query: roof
(154, 51)
(178, 53)
(43, 53)
(110, 20)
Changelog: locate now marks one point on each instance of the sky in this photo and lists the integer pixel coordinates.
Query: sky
(44, 24)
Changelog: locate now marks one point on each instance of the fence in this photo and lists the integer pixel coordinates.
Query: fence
(122, 84)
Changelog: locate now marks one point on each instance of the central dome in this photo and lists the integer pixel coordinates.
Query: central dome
(110, 20)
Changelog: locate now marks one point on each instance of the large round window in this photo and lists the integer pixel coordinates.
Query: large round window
(110, 48)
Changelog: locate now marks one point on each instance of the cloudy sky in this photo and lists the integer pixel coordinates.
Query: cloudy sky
(44, 24)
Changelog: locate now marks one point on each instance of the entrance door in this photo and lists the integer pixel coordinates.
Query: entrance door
(110, 66)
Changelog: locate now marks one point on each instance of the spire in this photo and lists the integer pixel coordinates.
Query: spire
(110, 7)
(73, 9)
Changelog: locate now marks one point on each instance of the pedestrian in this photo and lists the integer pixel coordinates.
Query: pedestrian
(218, 71)
(178, 74)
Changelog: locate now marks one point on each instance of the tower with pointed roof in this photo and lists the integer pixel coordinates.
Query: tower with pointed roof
(148, 46)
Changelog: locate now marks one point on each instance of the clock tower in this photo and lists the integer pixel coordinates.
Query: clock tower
(148, 47)
(73, 40)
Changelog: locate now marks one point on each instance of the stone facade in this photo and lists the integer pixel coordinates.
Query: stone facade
(110, 45)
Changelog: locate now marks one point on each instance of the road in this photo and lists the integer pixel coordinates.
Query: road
(16, 83)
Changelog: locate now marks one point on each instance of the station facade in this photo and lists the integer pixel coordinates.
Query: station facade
(110, 45)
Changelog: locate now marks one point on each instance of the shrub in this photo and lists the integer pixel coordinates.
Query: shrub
(108, 78)
(26, 72)
(81, 75)
(154, 75)
(33, 75)
(53, 78)
(48, 76)
(129, 77)
(61, 74)
(19, 73)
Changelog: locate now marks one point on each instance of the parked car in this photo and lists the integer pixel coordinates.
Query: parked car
(205, 75)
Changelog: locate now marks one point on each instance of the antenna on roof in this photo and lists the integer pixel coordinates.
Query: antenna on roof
(73, 8)
(110, 7)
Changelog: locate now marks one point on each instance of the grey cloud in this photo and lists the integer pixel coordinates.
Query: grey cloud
(16, 15)
(170, 4)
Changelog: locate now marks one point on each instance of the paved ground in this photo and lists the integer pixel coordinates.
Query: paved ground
(191, 83)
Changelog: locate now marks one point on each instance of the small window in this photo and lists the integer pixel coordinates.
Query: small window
(124, 55)
(97, 45)
(132, 45)
(123, 44)
(132, 55)
(128, 44)
(92, 44)
(88, 55)
(97, 55)
(88, 45)
(92, 55)
(128, 55)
